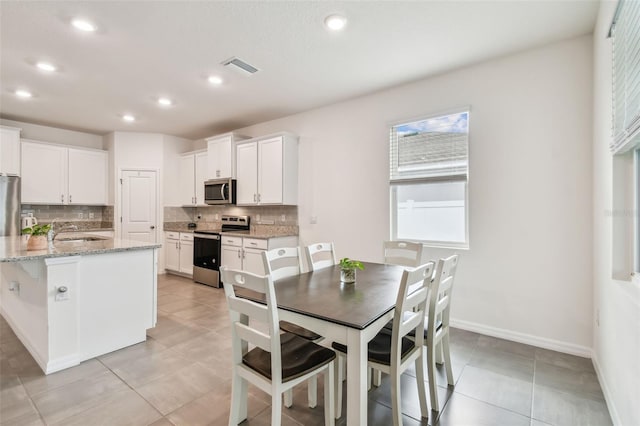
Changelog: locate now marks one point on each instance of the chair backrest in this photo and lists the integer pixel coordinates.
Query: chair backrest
(411, 305)
(320, 255)
(248, 318)
(440, 299)
(403, 253)
(282, 262)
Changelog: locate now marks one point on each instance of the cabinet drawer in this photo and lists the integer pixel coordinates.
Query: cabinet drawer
(186, 236)
(172, 235)
(255, 243)
(232, 241)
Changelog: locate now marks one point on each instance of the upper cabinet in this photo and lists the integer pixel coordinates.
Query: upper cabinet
(9, 151)
(222, 155)
(267, 170)
(57, 174)
(193, 173)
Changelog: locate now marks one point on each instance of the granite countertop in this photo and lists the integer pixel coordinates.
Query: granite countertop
(257, 230)
(14, 249)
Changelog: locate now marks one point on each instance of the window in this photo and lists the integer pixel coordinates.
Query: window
(428, 180)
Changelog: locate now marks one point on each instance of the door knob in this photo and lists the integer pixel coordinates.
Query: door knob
(152, 227)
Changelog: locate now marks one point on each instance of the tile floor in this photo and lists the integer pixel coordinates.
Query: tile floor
(181, 376)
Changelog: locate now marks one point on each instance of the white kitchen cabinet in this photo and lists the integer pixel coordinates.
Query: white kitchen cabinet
(267, 170)
(178, 256)
(10, 151)
(221, 155)
(246, 253)
(56, 174)
(192, 174)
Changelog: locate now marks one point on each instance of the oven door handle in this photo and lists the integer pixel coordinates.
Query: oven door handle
(206, 237)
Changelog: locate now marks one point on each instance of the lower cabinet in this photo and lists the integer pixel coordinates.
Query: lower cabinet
(246, 253)
(178, 252)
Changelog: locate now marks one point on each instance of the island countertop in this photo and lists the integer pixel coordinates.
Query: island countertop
(14, 249)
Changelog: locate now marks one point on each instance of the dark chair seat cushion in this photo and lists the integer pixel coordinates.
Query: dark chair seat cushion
(299, 356)
(379, 349)
(299, 331)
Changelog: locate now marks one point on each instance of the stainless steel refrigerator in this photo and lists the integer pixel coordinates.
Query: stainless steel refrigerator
(9, 206)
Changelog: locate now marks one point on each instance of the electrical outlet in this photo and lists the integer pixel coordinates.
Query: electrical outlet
(216, 216)
(92, 215)
(283, 218)
(80, 215)
(257, 218)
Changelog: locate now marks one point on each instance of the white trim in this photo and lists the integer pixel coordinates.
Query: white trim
(529, 339)
(606, 390)
(52, 261)
(62, 363)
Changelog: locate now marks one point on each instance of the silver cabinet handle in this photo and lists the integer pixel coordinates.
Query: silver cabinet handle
(259, 197)
(238, 253)
(255, 198)
(70, 199)
(253, 244)
(243, 253)
(62, 198)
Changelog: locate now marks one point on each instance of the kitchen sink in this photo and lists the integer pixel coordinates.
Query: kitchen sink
(80, 239)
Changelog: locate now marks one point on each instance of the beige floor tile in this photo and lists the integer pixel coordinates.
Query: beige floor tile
(166, 298)
(179, 305)
(194, 312)
(132, 353)
(204, 347)
(151, 367)
(76, 397)
(41, 383)
(162, 422)
(172, 330)
(177, 389)
(125, 408)
(16, 407)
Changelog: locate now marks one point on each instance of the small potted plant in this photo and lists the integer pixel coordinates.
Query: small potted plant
(348, 269)
(38, 236)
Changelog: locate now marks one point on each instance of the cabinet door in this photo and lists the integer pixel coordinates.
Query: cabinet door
(247, 173)
(9, 151)
(186, 257)
(171, 254)
(270, 171)
(231, 257)
(200, 176)
(253, 261)
(44, 174)
(87, 177)
(186, 194)
(225, 158)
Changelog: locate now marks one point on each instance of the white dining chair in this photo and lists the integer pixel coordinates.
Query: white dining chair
(320, 255)
(403, 253)
(393, 352)
(282, 263)
(277, 362)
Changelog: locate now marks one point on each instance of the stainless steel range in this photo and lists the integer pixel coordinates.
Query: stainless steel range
(206, 249)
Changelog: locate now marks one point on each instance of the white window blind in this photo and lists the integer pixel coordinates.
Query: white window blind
(626, 76)
(431, 149)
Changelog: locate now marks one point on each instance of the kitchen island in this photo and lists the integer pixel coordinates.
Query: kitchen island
(79, 299)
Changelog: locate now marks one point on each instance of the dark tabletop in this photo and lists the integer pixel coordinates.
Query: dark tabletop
(320, 294)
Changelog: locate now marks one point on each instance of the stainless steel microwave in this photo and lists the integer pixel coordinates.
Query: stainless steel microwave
(220, 191)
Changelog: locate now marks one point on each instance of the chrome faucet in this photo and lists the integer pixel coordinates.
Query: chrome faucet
(51, 235)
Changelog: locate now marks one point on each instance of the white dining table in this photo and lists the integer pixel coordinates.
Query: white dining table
(351, 314)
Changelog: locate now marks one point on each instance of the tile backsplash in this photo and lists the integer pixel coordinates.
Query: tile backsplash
(46, 213)
(209, 216)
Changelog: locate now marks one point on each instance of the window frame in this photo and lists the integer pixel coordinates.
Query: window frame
(393, 185)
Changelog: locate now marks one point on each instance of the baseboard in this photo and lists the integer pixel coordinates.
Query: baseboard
(606, 390)
(62, 363)
(541, 342)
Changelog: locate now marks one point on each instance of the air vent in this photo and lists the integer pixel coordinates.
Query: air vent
(241, 65)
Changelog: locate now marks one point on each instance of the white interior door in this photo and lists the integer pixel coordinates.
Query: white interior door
(139, 204)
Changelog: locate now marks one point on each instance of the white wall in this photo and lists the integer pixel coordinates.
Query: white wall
(616, 346)
(526, 275)
(55, 135)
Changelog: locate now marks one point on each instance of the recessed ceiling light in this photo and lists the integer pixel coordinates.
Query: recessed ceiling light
(23, 93)
(83, 25)
(129, 118)
(165, 101)
(214, 79)
(335, 22)
(45, 66)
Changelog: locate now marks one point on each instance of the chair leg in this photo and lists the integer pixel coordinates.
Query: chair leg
(329, 397)
(344, 368)
(288, 398)
(312, 391)
(431, 373)
(369, 378)
(377, 378)
(439, 357)
(422, 396)
(447, 359)
(276, 407)
(238, 412)
(396, 401)
(337, 383)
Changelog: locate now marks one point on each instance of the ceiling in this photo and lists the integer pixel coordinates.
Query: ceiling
(147, 49)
